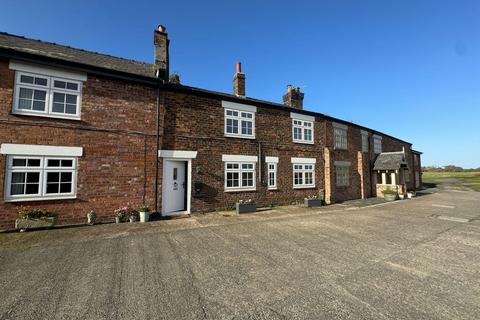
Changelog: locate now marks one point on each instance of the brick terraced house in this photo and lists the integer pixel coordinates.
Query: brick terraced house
(82, 130)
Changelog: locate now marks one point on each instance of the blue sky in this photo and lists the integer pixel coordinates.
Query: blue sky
(408, 68)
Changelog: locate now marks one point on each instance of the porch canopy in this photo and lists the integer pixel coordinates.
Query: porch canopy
(390, 161)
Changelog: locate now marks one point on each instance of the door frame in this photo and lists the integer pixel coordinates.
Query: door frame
(178, 155)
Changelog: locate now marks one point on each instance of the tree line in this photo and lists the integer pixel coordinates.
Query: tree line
(449, 168)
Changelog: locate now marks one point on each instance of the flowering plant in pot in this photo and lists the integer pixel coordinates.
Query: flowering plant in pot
(91, 217)
(31, 218)
(133, 216)
(122, 212)
(144, 212)
(246, 206)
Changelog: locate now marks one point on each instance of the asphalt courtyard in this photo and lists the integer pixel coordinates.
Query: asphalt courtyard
(412, 259)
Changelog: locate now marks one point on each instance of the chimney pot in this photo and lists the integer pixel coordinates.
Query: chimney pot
(239, 67)
(162, 29)
(293, 98)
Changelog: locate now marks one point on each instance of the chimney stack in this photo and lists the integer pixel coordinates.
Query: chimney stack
(293, 98)
(161, 43)
(239, 81)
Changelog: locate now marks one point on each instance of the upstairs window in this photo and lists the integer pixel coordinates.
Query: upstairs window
(340, 136)
(377, 144)
(302, 128)
(364, 141)
(41, 95)
(239, 120)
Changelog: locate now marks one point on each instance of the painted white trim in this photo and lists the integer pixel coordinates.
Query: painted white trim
(271, 159)
(363, 132)
(239, 106)
(40, 150)
(342, 163)
(303, 160)
(238, 158)
(339, 125)
(303, 117)
(177, 154)
(376, 136)
(47, 71)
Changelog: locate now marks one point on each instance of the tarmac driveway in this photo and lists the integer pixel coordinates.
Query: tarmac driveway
(415, 259)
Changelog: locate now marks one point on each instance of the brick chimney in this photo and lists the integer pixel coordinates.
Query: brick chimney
(293, 98)
(239, 81)
(161, 42)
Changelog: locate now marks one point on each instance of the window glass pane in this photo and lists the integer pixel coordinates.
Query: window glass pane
(71, 99)
(247, 166)
(247, 179)
(72, 86)
(246, 127)
(52, 187)
(41, 81)
(26, 79)
(71, 109)
(18, 177)
(17, 189)
(24, 104)
(67, 177)
(19, 162)
(31, 188)
(65, 188)
(59, 84)
(38, 105)
(57, 107)
(297, 133)
(308, 134)
(53, 162)
(33, 177)
(58, 97)
(40, 95)
(26, 93)
(53, 177)
(67, 163)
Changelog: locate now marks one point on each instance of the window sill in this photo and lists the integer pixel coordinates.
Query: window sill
(53, 116)
(40, 199)
(239, 136)
(303, 142)
(304, 187)
(340, 149)
(272, 189)
(239, 190)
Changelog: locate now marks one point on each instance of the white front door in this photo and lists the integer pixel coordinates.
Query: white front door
(174, 185)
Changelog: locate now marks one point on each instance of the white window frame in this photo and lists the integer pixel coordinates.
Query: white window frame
(272, 169)
(50, 90)
(43, 171)
(301, 168)
(303, 123)
(342, 175)
(240, 171)
(241, 110)
(365, 144)
(340, 136)
(377, 144)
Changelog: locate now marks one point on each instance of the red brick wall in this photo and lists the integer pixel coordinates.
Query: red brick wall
(197, 123)
(117, 132)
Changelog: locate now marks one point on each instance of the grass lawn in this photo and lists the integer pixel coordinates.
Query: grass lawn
(455, 180)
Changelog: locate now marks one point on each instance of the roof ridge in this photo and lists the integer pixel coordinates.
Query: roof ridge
(74, 48)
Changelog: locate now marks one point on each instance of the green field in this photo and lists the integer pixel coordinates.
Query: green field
(453, 180)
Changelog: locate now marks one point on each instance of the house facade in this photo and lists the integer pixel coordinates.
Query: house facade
(83, 131)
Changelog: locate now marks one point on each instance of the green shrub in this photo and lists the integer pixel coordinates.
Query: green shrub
(389, 191)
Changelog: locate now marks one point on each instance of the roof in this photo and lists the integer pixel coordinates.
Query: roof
(69, 54)
(390, 161)
(146, 71)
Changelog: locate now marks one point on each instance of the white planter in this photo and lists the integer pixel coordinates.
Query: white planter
(410, 195)
(144, 216)
(401, 196)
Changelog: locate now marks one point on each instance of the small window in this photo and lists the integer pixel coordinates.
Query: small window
(239, 176)
(343, 176)
(377, 145)
(239, 123)
(340, 138)
(302, 131)
(272, 176)
(47, 96)
(39, 178)
(364, 141)
(303, 176)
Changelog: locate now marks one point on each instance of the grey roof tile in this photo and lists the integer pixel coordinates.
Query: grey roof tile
(390, 161)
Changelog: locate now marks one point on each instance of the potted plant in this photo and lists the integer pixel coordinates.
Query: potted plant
(91, 217)
(28, 218)
(312, 201)
(401, 196)
(144, 212)
(121, 213)
(390, 195)
(246, 206)
(410, 194)
(133, 216)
